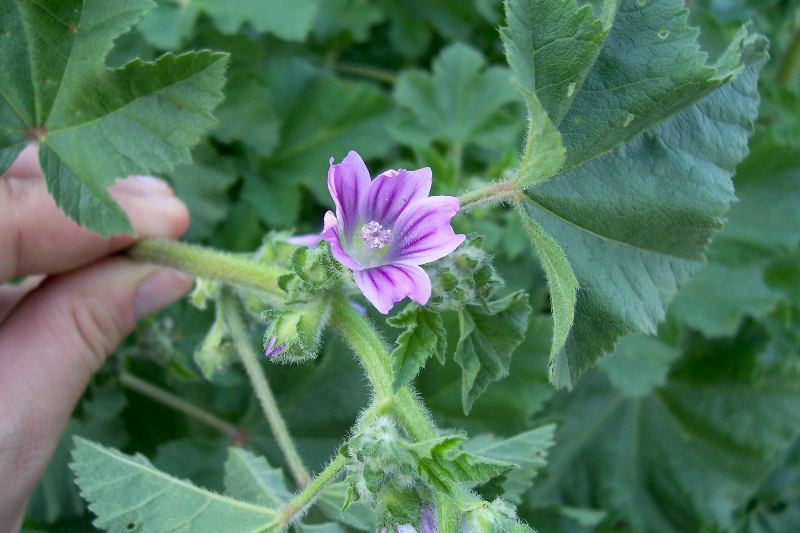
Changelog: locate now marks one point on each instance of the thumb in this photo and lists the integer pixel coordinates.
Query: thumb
(52, 344)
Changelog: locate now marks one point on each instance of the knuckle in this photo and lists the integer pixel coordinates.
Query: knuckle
(96, 328)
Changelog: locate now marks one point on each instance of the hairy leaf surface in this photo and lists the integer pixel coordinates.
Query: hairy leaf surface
(93, 124)
(652, 134)
(123, 490)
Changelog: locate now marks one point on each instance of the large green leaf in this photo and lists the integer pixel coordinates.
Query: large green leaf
(95, 125)
(424, 336)
(652, 134)
(127, 492)
(685, 456)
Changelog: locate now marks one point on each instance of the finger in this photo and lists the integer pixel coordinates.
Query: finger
(27, 163)
(11, 295)
(52, 344)
(36, 236)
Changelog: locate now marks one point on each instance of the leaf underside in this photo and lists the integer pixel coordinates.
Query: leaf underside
(651, 133)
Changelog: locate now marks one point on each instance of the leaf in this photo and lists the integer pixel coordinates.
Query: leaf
(685, 456)
(359, 516)
(94, 125)
(323, 116)
(462, 102)
(639, 364)
(246, 115)
(352, 17)
(423, 337)
(562, 285)
(652, 135)
(172, 23)
(486, 341)
(126, 492)
(251, 478)
(441, 462)
(718, 298)
(527, 450)
(204, 189)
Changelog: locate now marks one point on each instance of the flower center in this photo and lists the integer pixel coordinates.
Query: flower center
(375, 236)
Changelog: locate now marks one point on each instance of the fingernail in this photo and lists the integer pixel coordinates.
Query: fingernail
(143, 185)
(160, 289)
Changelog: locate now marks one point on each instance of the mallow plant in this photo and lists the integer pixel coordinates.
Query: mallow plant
(632, 134)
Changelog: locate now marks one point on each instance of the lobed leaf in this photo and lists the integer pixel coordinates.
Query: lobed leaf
(93, 124)
(250, 478)
(423, 337)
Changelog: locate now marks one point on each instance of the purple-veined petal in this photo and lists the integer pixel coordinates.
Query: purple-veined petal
(309, 239)
(406, 528)
(423, 231)
(348, 183)
(392, 191)
(387, 284)
(330, 232)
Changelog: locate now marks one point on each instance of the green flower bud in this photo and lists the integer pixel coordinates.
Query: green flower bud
(216, 351)
(297, 329)
(205, 290)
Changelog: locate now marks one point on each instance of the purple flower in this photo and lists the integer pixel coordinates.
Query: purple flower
(270, 350)
(427, 519)
(385, 228)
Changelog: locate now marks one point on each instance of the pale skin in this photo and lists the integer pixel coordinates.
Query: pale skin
(77, 303)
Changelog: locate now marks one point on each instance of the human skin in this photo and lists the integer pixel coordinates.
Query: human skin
(77, 303)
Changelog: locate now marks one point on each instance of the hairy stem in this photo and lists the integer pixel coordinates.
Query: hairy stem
(311, 490)
(210, 264)
(791, 60)
(241, 340)
(165, 397)
(374, 357)
(491, 194)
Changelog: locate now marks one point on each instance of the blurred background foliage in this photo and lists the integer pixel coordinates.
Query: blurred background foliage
(695, 429)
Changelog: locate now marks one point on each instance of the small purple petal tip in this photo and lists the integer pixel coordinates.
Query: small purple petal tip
(271, 350)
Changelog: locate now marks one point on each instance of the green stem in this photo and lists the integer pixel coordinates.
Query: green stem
(366, 71)
(491, 194)
(210, 264)
(375, 358)
(791, 60)
(310, 491)
(182, 406)
(241, 341)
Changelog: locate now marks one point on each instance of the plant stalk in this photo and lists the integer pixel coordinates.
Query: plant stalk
(241, 340)
(491, 194)
(303, 498)
(165, 397)
(375, 358)
(210, 264)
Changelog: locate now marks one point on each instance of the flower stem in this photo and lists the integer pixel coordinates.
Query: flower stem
(491, 194)
(366, 71)
(210, 264)
(241, 340)
(310, 491)
(179, 404)
(374, 357)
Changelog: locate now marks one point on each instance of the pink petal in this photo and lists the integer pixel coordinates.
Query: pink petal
(387, 284)
(423, 231)
(392, 191)
(331, 234)
(348, 183)
(309, 239)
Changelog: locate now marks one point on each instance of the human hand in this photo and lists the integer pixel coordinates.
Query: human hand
(56, 331)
